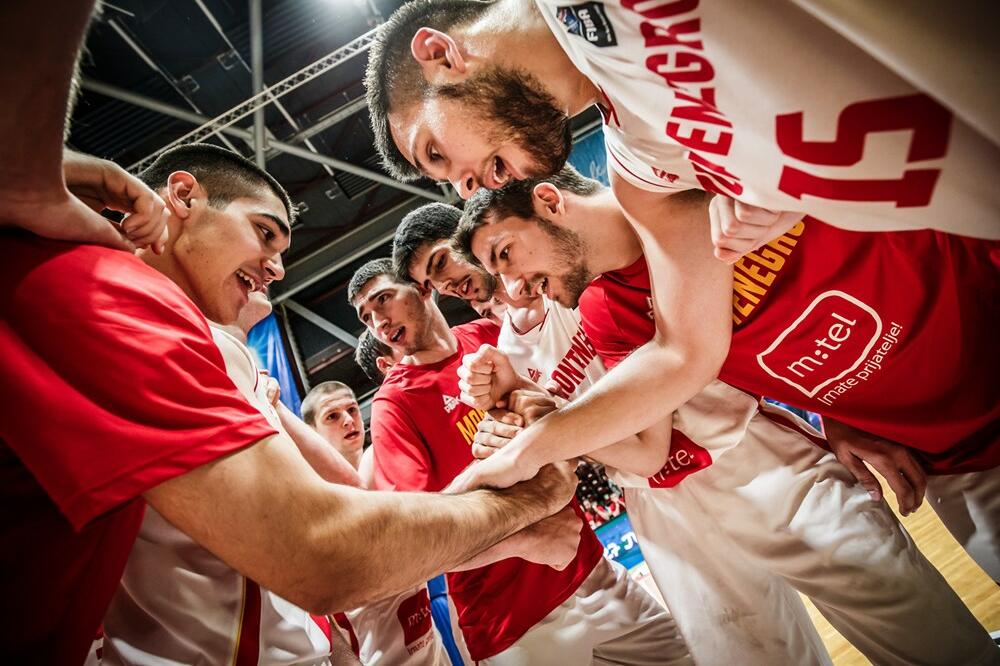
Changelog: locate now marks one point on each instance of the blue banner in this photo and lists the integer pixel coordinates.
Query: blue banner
(588, 156)
(265, 340)
(620, 543)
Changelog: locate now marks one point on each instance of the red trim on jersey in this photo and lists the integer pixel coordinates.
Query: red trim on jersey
(634, 175)
(248, 638)
(323, 622)
(345, 624)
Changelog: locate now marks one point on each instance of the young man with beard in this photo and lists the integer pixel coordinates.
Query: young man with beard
(789, 295)
(422, 253)
(460, 91)
(746, 505)
(514, 611)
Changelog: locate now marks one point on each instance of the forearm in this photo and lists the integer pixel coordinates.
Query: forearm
(429, 532)
(327, 547)
(642, 456)
(321, 456)
(633, 397)
(512, 546)
(39, 60)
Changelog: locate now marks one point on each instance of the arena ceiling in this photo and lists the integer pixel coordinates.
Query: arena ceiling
(156, 71)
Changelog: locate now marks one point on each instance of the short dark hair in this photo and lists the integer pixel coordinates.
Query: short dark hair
(394, 80)
(225, 175)
(368, 272)
(369, 350)
(317, 393)
(513, 200)
(427, 224)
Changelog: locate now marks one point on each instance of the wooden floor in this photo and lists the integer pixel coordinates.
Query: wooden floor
(976, 589)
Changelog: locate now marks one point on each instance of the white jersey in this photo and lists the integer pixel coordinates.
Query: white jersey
(398, 630)
(555, 351)
(559, 351)
(178, 603)
(761, 101)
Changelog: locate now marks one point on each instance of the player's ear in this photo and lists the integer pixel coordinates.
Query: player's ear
(181, 192)
(383, 364)
(425, 290)
(548, 200)
(438, 55)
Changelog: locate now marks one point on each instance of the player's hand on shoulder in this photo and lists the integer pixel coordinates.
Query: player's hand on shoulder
(738, 228)
(272, 389)
(485, 378)
(71, 210)
(554, 540)
(893, 461)
(102, 184)
(495, 431)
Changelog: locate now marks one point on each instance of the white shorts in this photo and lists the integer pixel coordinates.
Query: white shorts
(969, 506)
(609, 620)
(776, 512)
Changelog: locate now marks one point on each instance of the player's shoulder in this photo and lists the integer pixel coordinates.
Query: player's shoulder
(94, 286)
(477, 332)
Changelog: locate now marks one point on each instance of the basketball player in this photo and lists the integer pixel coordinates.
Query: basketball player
(746, 506)
(867, 149)
(514, 612)
(177, 602)
(396, 630)
(374, 357)
(158, 365)
(422, 252)
(513, 84)
(948, 421)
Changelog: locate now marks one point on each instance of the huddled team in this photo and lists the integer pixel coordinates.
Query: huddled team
(834, 248)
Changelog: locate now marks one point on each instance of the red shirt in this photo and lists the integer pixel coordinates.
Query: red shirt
(616, 311)
(927, 379)
(111, 384)
(892, 333)
(423, 437)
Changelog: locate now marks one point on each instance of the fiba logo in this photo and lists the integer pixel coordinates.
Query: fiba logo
(830, 339)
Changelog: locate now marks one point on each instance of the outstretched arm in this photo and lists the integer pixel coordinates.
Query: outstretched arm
(327, 547)
(692, 297)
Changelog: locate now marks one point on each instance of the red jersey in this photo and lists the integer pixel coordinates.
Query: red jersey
(423, 439)
(616, 310)
(892, 333)
(111, 384)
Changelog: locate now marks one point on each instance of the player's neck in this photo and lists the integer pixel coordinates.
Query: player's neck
(439, 344)
(610, 241)
(514, 34)
(525, 319)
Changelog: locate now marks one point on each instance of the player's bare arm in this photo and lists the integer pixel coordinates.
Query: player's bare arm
(326, 460)
(643, 454)
(691, 301)
(266, 513)
(553, 542)
(35, 192)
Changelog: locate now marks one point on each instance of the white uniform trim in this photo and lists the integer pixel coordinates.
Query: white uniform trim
(179, 604)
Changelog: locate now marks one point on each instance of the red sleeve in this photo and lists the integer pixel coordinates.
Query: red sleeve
(402, 460)
(112, 383)
(602, 330)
